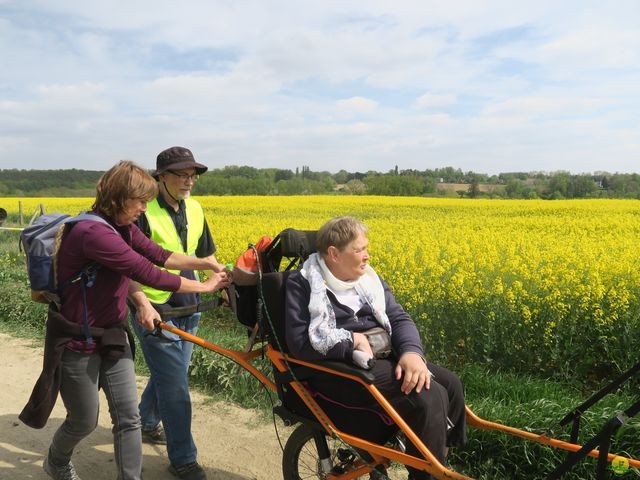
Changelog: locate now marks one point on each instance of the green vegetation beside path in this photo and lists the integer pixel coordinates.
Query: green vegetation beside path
(523, 401)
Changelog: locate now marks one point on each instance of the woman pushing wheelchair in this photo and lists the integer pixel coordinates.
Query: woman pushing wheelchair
(332, 304)
(87, 347)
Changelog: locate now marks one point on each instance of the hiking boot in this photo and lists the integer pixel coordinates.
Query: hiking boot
(154, 436)
(189, 471)
(65, 472)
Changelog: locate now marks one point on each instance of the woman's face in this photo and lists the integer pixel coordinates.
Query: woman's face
(133, 208)
(349, 263)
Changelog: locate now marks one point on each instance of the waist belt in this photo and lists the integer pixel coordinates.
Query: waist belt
(173, 312)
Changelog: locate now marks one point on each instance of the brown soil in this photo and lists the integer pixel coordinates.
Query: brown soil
(233, 443)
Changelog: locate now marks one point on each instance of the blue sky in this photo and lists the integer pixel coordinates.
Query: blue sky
(489, 86)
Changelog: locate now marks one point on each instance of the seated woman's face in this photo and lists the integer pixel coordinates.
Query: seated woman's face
(349, 264)
(133, 208)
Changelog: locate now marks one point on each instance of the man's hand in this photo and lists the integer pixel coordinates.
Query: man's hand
(180, 261)
(416, 373)
(214, 266)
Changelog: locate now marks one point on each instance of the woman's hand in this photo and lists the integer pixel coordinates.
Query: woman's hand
(362, 354)
(416, 373)
(217, 281)
(361, 343)
(147, 316)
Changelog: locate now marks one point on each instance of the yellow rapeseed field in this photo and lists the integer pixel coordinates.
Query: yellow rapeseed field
(542, 285)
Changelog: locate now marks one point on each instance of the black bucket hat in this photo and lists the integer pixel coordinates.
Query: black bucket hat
(177, 158)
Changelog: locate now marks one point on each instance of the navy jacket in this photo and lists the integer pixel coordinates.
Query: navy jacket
(404, 336)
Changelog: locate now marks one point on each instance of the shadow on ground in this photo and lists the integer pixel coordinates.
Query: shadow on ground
(22, 451)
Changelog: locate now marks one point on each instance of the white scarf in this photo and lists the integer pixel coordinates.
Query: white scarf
(323, 333)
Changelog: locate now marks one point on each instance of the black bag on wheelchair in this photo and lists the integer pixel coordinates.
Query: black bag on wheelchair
(287, 251)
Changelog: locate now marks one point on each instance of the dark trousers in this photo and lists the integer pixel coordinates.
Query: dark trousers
(353, 410)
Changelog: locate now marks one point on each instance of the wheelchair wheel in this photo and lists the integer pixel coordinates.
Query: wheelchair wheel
(310, 453)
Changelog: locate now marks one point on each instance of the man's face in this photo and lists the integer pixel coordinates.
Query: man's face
(179, 182)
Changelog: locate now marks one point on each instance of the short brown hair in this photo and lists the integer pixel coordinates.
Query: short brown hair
(122, 182)
(339, 232)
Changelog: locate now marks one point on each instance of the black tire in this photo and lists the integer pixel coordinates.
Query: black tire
(301, 461)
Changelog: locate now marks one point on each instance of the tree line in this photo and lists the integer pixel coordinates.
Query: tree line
(446, 182)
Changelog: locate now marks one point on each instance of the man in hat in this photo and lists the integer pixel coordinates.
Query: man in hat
(176, 222)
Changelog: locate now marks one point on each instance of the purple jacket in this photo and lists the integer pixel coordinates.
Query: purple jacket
(125, 255)
(404, 334)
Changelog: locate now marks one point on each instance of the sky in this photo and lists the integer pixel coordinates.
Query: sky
(485, 86)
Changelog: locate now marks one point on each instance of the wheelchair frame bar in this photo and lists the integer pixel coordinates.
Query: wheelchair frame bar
(575, 414)
(244, 359)
(482, 424)
(380, 453)
(429, 463)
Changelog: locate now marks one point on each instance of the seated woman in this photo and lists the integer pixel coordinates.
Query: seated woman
(329, 303)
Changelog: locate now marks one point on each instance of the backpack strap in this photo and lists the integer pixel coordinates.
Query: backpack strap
(89, 273)
(86, 276)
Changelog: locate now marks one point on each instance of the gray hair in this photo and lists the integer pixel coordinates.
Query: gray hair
(339, 232)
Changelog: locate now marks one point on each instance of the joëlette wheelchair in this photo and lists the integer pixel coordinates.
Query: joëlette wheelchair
(319, 447)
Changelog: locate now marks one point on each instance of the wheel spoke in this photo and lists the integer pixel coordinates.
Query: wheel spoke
(301, 460)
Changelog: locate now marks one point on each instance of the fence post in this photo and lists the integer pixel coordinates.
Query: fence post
(34, 216)
(20, 217)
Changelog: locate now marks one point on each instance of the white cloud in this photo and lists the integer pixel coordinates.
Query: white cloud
(357, 105)
(70, 91)
(529, 107)
(336, 84)
(593, 49)
(434, 100)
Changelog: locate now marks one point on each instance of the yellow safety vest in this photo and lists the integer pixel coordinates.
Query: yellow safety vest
(163, 232)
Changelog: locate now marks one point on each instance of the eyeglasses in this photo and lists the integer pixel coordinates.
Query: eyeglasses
(185, 176)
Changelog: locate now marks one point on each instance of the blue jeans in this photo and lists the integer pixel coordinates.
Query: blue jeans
(166, 397)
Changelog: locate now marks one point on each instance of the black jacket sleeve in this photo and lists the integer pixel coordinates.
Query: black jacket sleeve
(404, 334)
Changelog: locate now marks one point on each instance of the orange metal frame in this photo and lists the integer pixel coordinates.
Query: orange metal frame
(244, 359)
(380, 453)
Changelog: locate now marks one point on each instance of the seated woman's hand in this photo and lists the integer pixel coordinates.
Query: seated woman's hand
(361, 343)
(416, 373)
(362, 354)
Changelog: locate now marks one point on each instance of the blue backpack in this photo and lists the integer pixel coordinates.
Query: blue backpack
(40, 242)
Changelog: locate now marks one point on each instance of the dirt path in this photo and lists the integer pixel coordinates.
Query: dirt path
(232, 444)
